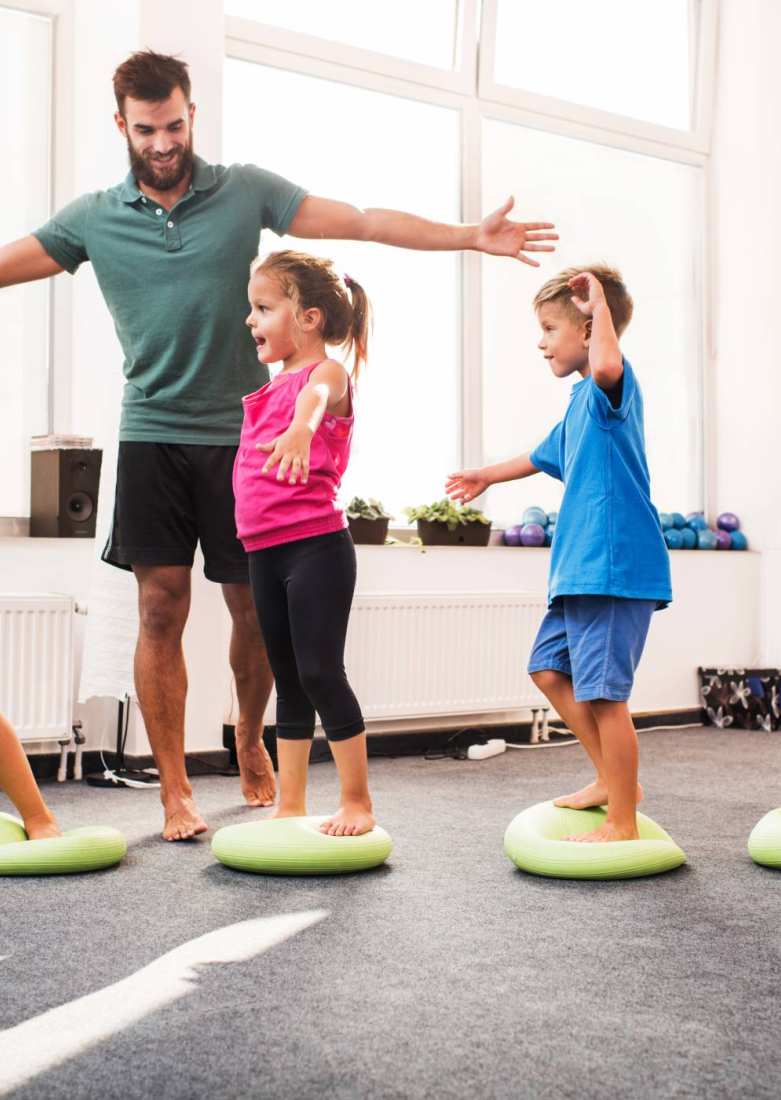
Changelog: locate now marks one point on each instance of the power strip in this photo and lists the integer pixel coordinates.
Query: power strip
(494, 747)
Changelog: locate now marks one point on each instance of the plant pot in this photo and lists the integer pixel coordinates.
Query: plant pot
(371, 532)
(466, 534)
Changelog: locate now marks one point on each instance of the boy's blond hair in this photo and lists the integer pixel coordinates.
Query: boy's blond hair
(619, 300)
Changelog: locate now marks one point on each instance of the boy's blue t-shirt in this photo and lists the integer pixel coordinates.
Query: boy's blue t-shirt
(608, 539)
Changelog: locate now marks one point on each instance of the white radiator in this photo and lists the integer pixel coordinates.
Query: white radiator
(411, 656)
(36, 665)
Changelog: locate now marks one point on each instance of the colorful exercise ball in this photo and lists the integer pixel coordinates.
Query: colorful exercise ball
(728, 521)
(679, 521)
(533, 534)
(666, 520)
(723, 539)
(550, 531)
(697, 521)
(706, 540)
(512, 536)
(673, 538)
(535, 515)
(738, 540)
(688, 539)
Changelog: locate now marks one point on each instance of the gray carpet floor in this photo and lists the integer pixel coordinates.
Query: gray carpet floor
(447, 973)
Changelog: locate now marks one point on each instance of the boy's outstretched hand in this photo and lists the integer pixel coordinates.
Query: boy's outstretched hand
(465, 485)
(498, 236)
(588, 292)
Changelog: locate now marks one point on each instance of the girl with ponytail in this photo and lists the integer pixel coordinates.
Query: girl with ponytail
(294, 449)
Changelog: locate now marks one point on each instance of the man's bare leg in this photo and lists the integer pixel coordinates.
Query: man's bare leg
(293, 763)
(161, 684)
(254, 680)
(619, 751)
(579, 717)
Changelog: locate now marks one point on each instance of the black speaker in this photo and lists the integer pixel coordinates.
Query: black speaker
(64, 493)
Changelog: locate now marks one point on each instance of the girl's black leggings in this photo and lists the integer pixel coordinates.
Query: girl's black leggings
(303, 591)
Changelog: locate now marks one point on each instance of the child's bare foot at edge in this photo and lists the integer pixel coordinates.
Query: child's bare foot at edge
(258, 784)
(182, 820)
(351, 819)
(41, 827)
(595, 794)
(606, 833)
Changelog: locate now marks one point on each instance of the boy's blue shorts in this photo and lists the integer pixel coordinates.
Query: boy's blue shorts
(595, 640)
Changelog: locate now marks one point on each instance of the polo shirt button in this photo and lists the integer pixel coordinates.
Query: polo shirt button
(143, 199)
(170, 225)
(159, 210)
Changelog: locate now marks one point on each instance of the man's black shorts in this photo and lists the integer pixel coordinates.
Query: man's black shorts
(169, 496)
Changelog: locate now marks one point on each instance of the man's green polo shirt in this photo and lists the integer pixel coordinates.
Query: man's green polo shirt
(175, 282)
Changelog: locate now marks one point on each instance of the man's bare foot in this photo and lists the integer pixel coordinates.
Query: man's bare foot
(352, 819)
(595, 794)
(182, 820)
(606, 833)
(257, 772)
(41, 828)
(288, 811)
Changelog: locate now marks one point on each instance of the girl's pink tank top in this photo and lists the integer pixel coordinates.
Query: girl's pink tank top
(270, 512)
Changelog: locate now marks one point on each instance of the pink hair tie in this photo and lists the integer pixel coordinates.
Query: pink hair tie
(348, 282)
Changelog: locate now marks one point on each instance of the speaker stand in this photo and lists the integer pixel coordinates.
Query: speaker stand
(119, 775)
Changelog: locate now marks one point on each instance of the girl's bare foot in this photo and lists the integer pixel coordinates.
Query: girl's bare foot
(595, 794)
(352, 819)
(41, 827)
(182, 820)
(606, 833)
(257, 772)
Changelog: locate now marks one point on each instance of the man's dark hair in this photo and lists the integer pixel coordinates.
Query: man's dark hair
(150, 76)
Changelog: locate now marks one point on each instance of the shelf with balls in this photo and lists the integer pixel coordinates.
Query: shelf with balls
(536, 528)
(693, 532)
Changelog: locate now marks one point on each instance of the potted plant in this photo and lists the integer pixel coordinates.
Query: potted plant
(368, 521)
(449, 524)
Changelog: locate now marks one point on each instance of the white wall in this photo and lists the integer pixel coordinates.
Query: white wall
(745, 379)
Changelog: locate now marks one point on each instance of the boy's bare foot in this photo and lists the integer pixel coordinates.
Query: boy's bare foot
(257, 772)
(606, 833)
(595, 794)
(182, 820)
(41, 828)
(288, 811)
(352, 819)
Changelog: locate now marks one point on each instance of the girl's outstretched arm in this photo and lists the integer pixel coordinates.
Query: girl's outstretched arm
(326, 389)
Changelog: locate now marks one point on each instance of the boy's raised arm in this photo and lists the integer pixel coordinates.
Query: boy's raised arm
(24, 261)
(605, 360)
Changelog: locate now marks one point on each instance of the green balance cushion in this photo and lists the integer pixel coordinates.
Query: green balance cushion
(85, 849)
(295, 846)
(764, 844)
(533, 842)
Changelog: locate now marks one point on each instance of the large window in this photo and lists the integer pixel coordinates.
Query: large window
(369, 149)
(563, 105)
(25, 93)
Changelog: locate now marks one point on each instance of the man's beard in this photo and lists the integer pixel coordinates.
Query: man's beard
(160, 178)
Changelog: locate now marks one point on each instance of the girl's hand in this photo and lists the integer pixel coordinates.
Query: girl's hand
(465, 485)
(588, 292)
(291, 451)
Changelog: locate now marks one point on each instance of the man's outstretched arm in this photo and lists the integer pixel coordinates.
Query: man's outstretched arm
(496, 234)
(25, 260)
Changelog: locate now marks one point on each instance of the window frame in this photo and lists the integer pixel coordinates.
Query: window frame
(469, 89)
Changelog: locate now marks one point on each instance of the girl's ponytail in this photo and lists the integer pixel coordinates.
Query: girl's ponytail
(360, 324)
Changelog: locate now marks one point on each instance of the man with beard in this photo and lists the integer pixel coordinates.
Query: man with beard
(171, 247)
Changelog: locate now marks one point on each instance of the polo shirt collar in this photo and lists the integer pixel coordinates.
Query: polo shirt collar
(204, 177)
